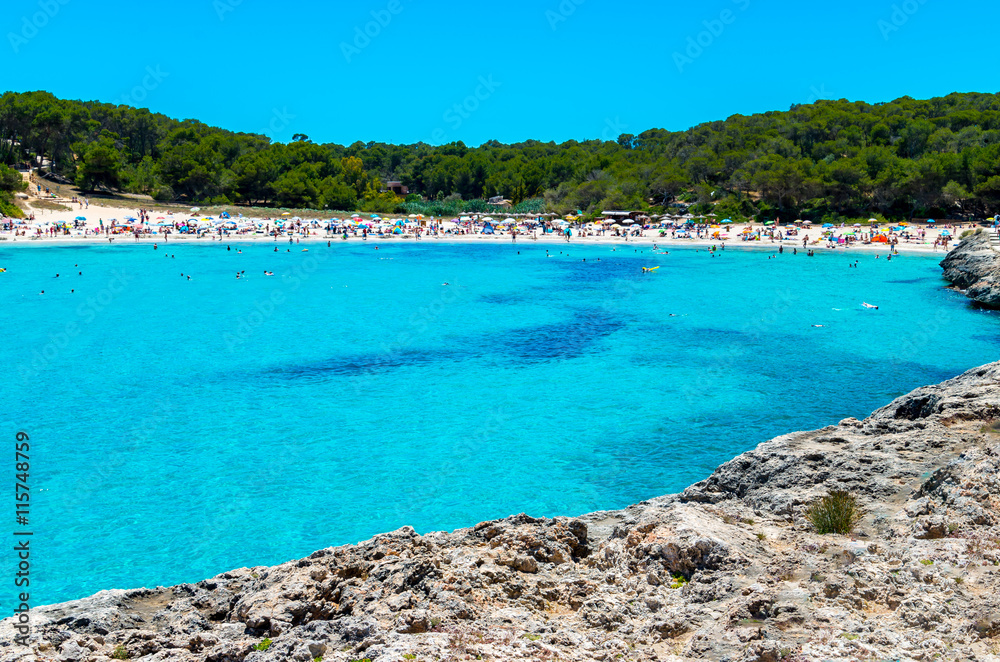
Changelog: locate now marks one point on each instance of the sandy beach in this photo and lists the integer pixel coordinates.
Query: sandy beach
(96, 214)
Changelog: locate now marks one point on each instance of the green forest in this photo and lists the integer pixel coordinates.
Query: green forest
(828, 160)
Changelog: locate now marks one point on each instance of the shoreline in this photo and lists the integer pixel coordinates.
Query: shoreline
(549, 240)
(7, 239)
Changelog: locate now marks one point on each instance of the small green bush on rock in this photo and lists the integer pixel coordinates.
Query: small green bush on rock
(837, 512)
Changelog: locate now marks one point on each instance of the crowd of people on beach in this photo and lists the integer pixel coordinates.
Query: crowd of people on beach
(144, 226)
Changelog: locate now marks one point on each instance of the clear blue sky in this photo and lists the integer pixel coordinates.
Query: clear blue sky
(548, 70)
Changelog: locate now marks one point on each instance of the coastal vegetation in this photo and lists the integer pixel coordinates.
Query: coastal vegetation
(838, 512)
(830, 160)
(11, 182)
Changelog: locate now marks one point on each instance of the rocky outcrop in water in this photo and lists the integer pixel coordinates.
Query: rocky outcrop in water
(974, 267)
(730, 569)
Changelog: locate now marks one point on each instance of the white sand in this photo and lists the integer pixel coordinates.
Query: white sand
(94, 213)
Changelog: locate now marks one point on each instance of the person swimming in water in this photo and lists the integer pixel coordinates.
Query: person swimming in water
(868, 305)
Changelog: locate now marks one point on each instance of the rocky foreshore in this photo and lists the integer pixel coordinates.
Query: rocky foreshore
(974, 267)
(730, 569)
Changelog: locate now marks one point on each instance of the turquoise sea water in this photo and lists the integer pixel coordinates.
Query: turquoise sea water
(182, 428)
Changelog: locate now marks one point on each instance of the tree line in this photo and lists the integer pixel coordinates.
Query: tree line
(826, 160)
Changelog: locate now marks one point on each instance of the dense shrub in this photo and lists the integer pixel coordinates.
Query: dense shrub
(838, 512)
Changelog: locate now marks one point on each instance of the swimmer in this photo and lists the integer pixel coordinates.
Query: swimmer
(445, 283)
(818, 326)
(868, 305)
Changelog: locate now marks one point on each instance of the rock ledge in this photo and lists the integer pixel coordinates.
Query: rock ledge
(974, 267)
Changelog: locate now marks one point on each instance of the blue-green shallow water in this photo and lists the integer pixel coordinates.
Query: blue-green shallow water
(183, 428)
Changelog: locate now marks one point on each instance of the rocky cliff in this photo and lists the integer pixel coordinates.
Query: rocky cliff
(974, 267)
(730, 569)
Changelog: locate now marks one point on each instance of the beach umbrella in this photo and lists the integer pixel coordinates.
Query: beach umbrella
(929, 220)
(195, 210)
(768, 222)
(726, 220)
(81, 218)
(945, 233)
(828, 225)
